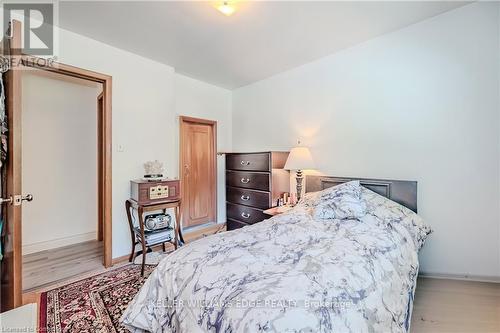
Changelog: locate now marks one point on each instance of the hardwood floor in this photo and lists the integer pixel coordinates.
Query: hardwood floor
(49, 267)
(456, 306)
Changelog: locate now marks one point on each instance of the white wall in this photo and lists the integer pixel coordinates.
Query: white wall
(420, 104)
(202, 100)
(145, 115)
(59, 162)
(143, 119)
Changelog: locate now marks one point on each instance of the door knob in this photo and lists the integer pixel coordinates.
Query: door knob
(27, 197)
(17, 199)
(4, 200)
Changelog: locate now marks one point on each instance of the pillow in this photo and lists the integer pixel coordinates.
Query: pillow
(392, 213)
(310, 199)
(341, 202)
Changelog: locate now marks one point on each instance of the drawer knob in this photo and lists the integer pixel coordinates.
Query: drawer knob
(245, 162)
(245, 180)
(245, 215)
(245, 197)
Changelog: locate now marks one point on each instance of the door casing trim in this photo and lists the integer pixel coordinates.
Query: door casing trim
(105, 187)
(105, 146)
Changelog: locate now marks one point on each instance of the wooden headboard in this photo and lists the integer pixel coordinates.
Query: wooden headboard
(401, 191)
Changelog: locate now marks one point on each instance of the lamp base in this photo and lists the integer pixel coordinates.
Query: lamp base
(298, 178)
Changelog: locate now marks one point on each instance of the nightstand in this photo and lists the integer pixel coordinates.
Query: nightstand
(277, 210)
(139, 235)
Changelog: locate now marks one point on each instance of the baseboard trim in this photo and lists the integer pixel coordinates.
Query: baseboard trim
(460, 277)
(58, 242)
(119, 260)
(208, 225)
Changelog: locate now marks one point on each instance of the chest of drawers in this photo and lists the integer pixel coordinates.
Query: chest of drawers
(254, 182)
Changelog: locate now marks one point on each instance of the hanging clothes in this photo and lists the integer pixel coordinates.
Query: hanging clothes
(3, 157)
(3, 125)
(4, 67)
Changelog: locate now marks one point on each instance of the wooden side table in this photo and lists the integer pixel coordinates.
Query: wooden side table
(138, 236)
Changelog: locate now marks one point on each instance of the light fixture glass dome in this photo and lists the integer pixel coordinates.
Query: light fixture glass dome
(226, 9)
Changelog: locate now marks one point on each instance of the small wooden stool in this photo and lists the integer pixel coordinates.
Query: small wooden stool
(138, 236)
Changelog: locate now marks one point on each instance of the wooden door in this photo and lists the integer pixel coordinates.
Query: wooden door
(11, 295)
(198, 170)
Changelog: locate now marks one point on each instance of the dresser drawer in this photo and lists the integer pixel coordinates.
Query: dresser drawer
(245, 197)
(249, 162)
(245, 214)
(233, 224)
(251, 180)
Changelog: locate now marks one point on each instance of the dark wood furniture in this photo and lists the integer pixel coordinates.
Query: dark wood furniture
(254, 182)
(403, 192)
(138, 234)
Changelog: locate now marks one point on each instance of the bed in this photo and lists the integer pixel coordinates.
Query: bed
(311, 269)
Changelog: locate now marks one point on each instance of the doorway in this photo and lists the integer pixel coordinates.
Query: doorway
(60, 231)
(11, 279)
(198, 158)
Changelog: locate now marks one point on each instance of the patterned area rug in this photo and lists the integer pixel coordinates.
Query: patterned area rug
(92, 305)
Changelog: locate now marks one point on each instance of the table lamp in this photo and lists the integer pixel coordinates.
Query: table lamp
(299, 159)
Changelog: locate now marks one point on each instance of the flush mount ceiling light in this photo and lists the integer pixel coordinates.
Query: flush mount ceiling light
(226, 8)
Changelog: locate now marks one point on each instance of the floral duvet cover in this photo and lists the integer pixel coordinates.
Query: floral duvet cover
(291, 273)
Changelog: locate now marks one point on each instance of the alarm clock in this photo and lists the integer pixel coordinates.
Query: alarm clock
(157, 221)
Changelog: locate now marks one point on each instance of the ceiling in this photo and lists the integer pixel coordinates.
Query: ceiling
(259, 40)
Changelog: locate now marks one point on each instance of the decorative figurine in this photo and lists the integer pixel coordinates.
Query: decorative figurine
(153, 170)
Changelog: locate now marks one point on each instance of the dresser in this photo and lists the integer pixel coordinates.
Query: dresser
(254, 183)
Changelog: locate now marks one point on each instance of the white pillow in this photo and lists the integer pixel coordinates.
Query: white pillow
(393, 213)
(341, 202)
(310, 200)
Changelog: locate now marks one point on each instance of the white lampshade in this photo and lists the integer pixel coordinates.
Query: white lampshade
(300, 159)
